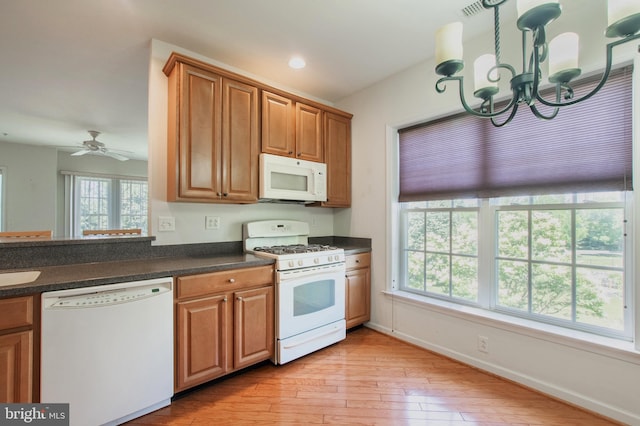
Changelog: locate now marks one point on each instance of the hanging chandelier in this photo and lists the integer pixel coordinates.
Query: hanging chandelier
(561, 53)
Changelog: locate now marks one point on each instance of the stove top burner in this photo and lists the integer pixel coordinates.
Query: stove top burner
(294, 248)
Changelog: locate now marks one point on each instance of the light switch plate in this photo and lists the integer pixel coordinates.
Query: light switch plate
(166, 223)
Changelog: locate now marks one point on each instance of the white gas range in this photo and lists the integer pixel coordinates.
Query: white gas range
(310, 286)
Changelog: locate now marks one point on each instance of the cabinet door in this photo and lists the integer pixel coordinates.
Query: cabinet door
(337, 154)
(16, 371)
(202, 336)
(309, 143)
(254, 326)
(199, 134)
(358, 289)
(278, 127)
(240, 142)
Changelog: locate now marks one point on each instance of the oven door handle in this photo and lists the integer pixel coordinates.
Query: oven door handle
(298, 343)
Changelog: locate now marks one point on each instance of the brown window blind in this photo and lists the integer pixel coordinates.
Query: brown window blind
(587, 147)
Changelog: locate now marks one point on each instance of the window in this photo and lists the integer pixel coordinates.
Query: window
(106, 202)
(533, 223)
(441, 249)
(558, 259)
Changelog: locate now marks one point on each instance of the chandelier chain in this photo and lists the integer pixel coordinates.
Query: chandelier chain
(496, 18)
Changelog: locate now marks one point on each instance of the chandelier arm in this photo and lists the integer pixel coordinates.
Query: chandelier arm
(524, 51)
(441, 87)
(603, 80)
(535, 93)
(538, 114)
(508, 120)
(489, 114)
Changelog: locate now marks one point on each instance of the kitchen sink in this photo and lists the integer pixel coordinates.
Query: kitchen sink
(14, 278)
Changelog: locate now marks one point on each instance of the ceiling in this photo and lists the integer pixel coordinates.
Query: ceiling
(69, 66)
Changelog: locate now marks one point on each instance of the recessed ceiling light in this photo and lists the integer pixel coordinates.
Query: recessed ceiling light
(297, 62)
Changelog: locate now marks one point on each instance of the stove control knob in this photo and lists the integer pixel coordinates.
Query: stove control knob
(300, 262)
(316, 260)
(330, 258)
(291, 264)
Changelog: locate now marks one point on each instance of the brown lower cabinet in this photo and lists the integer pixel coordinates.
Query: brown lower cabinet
(16, 349)
(358, 289)
(224, 322)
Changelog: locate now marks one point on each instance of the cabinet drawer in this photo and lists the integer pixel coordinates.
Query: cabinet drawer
(362, 260)
(16, 312)
(203, 284)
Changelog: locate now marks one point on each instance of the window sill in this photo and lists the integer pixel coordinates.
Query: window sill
(605, 346)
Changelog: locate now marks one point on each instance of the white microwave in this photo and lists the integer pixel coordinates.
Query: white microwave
(290, 179)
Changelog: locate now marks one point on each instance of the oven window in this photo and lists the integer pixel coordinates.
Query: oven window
(313, 297)
(288, 181)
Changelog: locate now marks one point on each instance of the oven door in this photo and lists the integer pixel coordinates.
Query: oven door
(309, 298)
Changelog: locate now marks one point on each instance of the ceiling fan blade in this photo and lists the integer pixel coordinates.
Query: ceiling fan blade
(81, 152)
(115, 155)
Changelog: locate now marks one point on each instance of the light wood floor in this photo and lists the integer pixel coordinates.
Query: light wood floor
(368, 379)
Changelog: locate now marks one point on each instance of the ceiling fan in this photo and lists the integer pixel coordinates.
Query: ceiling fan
(98, 148)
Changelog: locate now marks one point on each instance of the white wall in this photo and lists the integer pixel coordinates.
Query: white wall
(190, 217)
(600, 380)
(30, 185)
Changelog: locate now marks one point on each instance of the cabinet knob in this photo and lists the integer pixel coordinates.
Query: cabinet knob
(239, 298)
(290, 152)
(299, 154)
(225, 299)
(357, 260)
(232, 280)
(224, 194)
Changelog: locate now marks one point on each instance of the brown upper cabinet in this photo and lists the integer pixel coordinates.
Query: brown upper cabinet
(291, 128)
(213, 139)
(219, 122)
(337, 147)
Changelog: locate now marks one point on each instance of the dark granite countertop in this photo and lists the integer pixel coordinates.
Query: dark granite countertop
(101, 273)
(66, 265)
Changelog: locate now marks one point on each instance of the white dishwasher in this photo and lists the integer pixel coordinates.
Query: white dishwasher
(108, 350)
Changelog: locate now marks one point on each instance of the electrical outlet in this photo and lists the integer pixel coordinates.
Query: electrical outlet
(166, 223)
(211, 222)
(483, 344)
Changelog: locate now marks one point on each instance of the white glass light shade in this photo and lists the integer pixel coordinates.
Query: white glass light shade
(563, 53)
(449, 43)
(481, 67)
(619, 9)
(523, 6)
(297, 62)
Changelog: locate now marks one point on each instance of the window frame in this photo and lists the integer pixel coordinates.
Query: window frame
(487, 265)
(114, 217)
